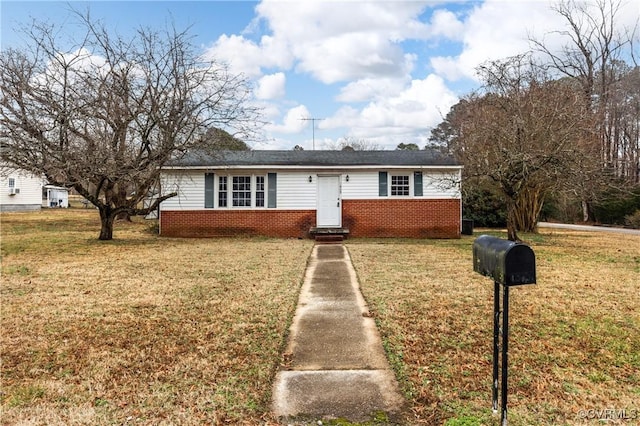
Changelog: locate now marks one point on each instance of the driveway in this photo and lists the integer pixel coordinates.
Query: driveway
(589, 228)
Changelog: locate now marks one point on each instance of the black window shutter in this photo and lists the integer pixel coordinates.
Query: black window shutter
(382, 184)
(272, 190)
(208, 190)
(417, 184)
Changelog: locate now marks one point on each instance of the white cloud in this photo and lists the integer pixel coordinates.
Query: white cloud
(368, 53)
(367, 89)
(336, 42)
(271, 86)
(292, 122)
(345, 57)
(247, 57)
(445, 23)
(496, 29)
(493, 30)
(226, 49)
(401, 118)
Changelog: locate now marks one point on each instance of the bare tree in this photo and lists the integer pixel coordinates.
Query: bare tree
(105, 115)
(521, 134)
(349, 143)
(595, 54)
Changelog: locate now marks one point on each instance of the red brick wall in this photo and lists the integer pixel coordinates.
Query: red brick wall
(223, 223)
(411, 218)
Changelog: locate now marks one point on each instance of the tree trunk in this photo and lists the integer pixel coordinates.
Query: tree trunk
(523, 212)
(586, 211)
(106, 222)
(512, 231)
(527, 208)
(120, 199)
(512, 234)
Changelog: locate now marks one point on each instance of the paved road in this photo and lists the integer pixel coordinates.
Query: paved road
(589, 228)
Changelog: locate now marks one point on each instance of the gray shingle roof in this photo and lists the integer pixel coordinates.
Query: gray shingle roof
(316, 158)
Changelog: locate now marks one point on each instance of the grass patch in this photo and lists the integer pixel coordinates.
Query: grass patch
(140, 329)
(574, 337)
(154, 330)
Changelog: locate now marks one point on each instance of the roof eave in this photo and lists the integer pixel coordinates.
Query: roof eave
(312, 167)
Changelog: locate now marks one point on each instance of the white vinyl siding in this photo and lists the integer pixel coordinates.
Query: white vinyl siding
(190, 188)
(295, 192)
(435, 184)
(30, 195)
(361, 185)
(441, 185)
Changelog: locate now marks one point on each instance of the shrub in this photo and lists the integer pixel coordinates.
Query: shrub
(616, 204)
(633, 220)
(561, 207)
(485, 207)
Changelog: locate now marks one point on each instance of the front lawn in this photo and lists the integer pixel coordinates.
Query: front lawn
(151, 330)
(574, 342)
(141, 329)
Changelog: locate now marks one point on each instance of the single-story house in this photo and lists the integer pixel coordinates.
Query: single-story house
(19, 190)
(299, 193)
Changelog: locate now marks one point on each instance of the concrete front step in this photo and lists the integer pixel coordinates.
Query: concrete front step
(329, 235)
(322, 238)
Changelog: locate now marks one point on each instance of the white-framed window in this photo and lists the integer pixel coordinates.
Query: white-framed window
(400, 185)
(12, 182)
(241, 194)
(240, 191)
(223, 193)
(259, 191)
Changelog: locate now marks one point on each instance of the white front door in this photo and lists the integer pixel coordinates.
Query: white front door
(329, 213)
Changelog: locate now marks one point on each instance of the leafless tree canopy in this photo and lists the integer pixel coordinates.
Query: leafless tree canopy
(520, 133)
(569, 122)
(602, 58)
(103, 116)
(349, 143)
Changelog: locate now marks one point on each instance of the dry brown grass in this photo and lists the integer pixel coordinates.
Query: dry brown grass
(574, 337)
(140, 330)
(149, 330)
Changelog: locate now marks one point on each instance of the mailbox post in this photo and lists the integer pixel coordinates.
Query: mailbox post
(509, 264)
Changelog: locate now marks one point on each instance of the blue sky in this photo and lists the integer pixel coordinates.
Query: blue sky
(383, 72)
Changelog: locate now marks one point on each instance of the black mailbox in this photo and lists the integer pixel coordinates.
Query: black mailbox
(507, 262)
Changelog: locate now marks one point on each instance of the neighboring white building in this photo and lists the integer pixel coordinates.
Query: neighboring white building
(55, 196)
(19, 190)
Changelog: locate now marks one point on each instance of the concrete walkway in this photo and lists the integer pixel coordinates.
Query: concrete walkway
(335, 363)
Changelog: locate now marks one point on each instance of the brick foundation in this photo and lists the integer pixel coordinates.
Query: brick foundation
(411, 218)
(227, 223)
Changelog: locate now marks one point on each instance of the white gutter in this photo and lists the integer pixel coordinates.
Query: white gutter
(308, 167)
